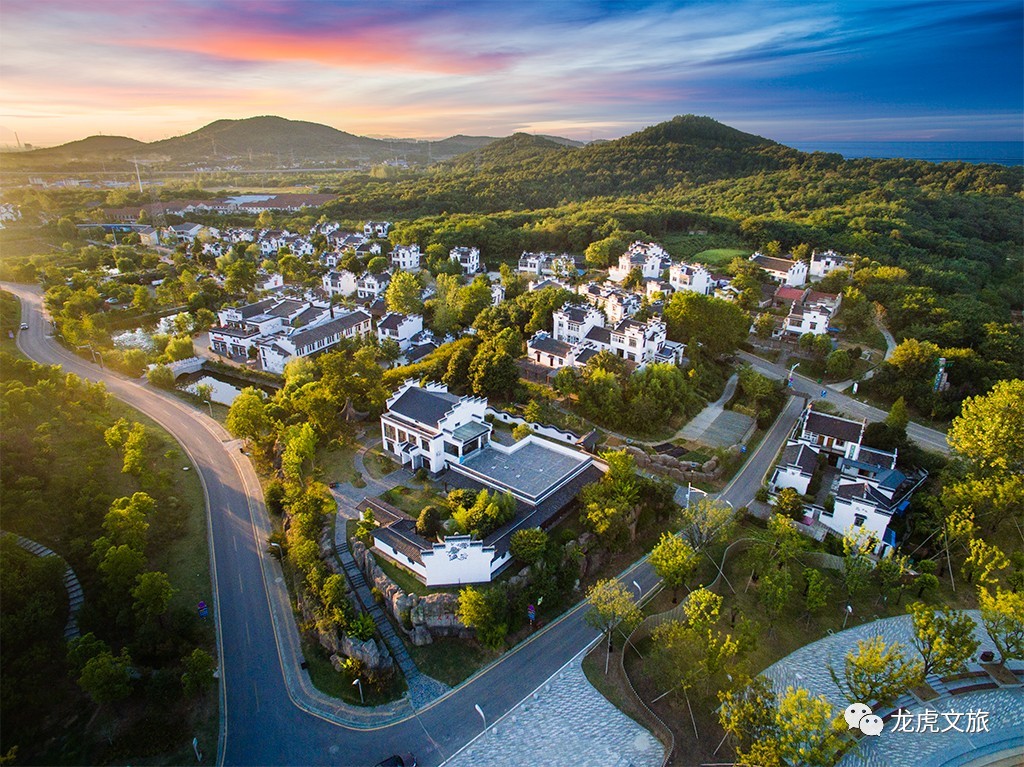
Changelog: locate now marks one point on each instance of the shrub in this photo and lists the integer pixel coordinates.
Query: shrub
(761, 495)
(161, 377)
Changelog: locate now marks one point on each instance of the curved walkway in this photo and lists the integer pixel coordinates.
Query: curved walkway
(71, 584)
(701, 422)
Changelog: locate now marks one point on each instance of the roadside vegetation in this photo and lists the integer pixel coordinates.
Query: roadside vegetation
(104, 488)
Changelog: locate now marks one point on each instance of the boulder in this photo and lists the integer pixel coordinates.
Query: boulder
(437, 613)
(421, 636)
(369, 652)
(330, 641)
(337, 661)
(359, 554)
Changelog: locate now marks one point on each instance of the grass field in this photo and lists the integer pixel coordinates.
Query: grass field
(451, 660)
(714, 249)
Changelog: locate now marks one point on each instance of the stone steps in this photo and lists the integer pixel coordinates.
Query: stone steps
(76, 596)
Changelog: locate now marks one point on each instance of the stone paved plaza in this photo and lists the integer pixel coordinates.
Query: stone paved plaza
(566, 721)
(808, 668)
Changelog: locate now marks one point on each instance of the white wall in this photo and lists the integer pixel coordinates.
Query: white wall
(457, 560)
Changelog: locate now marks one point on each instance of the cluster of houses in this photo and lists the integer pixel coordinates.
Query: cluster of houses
(277, 330)
(867, 488)
(245, 203)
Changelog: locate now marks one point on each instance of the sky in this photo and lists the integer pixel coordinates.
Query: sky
(791, 70)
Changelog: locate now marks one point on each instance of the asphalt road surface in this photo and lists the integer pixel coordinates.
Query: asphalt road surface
(268, 718)
(929, 439)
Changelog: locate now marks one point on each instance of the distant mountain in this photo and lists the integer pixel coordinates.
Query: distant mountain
(512, 151)
(257, 142)
(93, 146)
(265, 137)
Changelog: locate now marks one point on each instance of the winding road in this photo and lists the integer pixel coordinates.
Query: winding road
(929, 439)
(270, 713)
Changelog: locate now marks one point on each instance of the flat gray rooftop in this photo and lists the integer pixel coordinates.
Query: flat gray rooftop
(531, 470)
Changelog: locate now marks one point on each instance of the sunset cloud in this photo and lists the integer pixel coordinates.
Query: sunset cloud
(783, 68)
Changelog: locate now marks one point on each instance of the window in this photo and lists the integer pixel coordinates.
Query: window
(389, 431)
(632, 343)
(859, 520)
(451, 449)
(424, 443)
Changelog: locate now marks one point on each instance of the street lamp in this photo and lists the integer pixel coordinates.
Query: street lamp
(481, 712)
(359, 682)
(280, 551)
(639, 591)
(849, 612)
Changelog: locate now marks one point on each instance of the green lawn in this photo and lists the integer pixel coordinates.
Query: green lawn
(719, 257)
(451, 660)
(403, 578)
(336, 465)
(378, 464)
(411, 500)
(714, 249)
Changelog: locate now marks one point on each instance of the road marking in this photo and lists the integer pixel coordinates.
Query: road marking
(235, 541)
(241, 586)
(256, 692)
(248, 636)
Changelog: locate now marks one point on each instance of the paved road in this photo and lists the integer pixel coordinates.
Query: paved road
(930, 439)
(271, 715)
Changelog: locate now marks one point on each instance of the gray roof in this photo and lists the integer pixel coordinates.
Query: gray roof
(328, 329)
(469, 430)
(599, 334)
(392, 321)
(801, 456)
(865, 491)
(575, 313)
(550, 345)
(533, 470)
(251, 310)
(420, 351)
(775, 264)
(286, 308)
(424, 406)
(833, 426)
(402, 537)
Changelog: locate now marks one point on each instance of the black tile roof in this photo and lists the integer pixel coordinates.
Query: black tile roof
(423, 406)
(328, 329)
(774, 264)
(286, 308)
(550, 345)
(599, 334)
(802, 456)
(833, 426)
(420, 351)
(251, 310)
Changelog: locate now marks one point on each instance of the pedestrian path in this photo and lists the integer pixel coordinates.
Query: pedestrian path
(75, 596)
(564, 721)
(701, 422)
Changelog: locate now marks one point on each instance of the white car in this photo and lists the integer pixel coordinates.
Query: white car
(24, 326)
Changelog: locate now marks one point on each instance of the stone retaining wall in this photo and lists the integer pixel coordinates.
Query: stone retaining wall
(422, 618)
(673, 468)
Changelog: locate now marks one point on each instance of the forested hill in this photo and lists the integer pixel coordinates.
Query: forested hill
(531, 171)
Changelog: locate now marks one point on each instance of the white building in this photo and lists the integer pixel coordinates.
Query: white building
(406, 258)
(276, 350)
(784, 270)
(616, 303)
(372, 285)
(424, 426)
(376, 228)
(694, 277)
(400, 328)
(831, 433)
(649, 257)
(340, 283)
(497, 293)
(795, 469)
(824, 263)
(242, 327)
(467, 258)
(548, 264)
(571, 323)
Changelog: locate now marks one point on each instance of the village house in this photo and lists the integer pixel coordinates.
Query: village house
(548, 264)
(467, 258)
(425, 426)
(405, 258)
(571, 323)
(241, 327)
(400, 328)
(372, 285)
(809, 310)
(649, 257)
(693, 277)
(328, 330)
(377, 229)
(784, 270)
(340, 283)
(822, 264)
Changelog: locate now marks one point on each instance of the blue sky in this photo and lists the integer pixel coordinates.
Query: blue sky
(792, 71)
